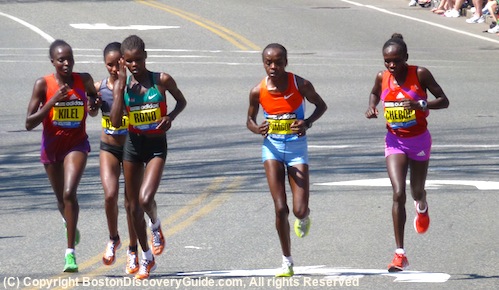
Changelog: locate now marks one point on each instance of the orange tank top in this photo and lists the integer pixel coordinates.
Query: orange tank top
(67, 118)
(281, 109)
(400, 121)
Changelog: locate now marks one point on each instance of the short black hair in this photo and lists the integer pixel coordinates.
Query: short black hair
(132, 42)
(278, 46)
(56, 43)
(113, 46)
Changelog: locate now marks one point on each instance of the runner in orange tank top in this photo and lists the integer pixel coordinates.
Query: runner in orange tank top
(402, 89)
(282, 96)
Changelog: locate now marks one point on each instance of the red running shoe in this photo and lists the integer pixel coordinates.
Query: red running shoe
(422, 220)
(399, 263)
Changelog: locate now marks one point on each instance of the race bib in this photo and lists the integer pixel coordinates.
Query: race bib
(110, 130)
(398, 117)
(68, 114)
(145, 117)
(281, 124)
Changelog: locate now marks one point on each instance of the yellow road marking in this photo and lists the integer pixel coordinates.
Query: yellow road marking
(236, 39)
(170, 231)
(193, 203)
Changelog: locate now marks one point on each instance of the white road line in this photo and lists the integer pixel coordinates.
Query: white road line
(322, 272)
(105, 26)
(37, 30)
(385, 182)
(422, 21)
(466, 146)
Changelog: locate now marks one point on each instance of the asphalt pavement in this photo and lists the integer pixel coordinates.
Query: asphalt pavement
(213, 200)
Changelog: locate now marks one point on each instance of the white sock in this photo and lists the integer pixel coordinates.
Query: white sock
(147, 255)
(70, 251)
(421, 210)
(287, 260)
(400, 251)
(155, 225)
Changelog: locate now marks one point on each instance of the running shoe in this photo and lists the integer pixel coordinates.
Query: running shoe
(70, 266)
(146, 267)
(285, 271)
(476, 19)
(157, 241)
(110, 254)
(413, 3)
(132, 262)
(77, 234)
(302, 226)
(422, 220)
(399, 263)
(452, 13)
(494, 29)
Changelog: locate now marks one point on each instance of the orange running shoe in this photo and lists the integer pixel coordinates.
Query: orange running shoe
(110, 254)
(132, 262)
(399, 263)
(422, 220)
(157, 241)
(146, 267)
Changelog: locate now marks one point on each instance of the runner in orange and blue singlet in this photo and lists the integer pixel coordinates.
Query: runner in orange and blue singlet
(402, 88)
(282, 96)
(281, 110)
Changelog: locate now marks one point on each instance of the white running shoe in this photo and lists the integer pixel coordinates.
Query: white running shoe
(494, 29)
(413, 3)
(476, 19)
(452, 13)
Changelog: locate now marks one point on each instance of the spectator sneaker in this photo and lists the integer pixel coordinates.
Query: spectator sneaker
(476, 19)
(452, 13)
(494, 29)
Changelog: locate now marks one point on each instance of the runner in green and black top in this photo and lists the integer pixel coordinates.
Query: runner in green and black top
(144, 96)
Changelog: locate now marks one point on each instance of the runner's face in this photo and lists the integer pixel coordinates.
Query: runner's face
(395, 60)
(111, 61)
(63, 60)
(135, 61)
(274, 62)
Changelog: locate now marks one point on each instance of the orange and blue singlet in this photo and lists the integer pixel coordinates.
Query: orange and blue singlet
(64, 127)
(280, 110)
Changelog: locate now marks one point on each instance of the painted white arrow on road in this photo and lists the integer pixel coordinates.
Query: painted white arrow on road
(104, 26)
(385, 182)
(328, 273)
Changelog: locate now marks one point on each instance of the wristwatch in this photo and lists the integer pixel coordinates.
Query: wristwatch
(308, 124)
(423, 104)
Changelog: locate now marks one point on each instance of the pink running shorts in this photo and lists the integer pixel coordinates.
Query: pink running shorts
(416, 148)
